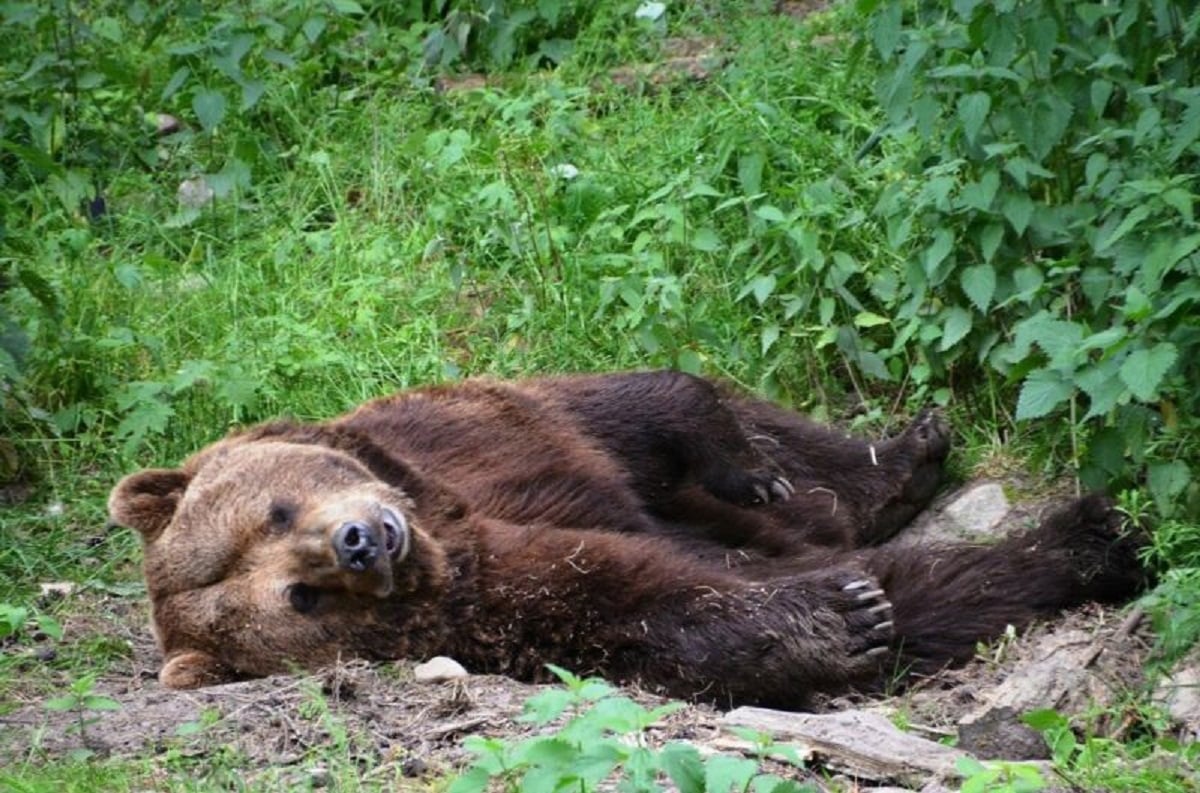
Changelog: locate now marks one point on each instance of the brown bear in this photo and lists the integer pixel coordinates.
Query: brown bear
(652, 527)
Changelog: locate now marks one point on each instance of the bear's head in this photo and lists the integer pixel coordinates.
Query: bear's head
(264, 552)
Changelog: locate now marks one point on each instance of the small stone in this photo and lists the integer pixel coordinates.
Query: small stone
(55, 590)
(166, 124)
(980, 509)
(318, 776)
(414, 767)
(438, 669)
(1179, 693)
(195, 193)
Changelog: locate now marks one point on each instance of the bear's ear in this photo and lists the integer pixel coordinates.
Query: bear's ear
(193, 669)
(146, 501)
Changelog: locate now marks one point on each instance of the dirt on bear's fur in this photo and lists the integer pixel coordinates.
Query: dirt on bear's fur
(651, 527)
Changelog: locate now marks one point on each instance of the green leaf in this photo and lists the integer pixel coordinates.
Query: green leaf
(210, 108)
(979, 284)
(761, 286)
(66, 702)
(1017, 209)
(49, 626)
(768, 337)
(97, 702)
(867, 319)
(980, 195)
(972, 112)
(1187, 131)
(1144, 370)
(1042, 391)
(1167, 481)
(1044, 719)
(770, 214)
(683, 765)
(1128, 224)
(990, 238)
(346, 7)
(958, 325)
(475, 780)
(723, 773)
(548, 705)
(938, 250)
(706, 239)
(175, 82)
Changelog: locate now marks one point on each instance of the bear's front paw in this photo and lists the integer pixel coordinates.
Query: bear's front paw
(868, 615)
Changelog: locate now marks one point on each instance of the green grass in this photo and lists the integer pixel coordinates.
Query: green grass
(371, 233)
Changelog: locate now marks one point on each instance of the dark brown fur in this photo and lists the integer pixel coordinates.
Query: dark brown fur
(649, 526)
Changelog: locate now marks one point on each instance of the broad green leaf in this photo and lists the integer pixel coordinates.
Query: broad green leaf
(1042, 391)
(1167, 481)
(761, 286)
(768, 337)
(706, 240)
(972, 111)
(1128, 224)
(1096, 165)
(475, 780)
(67, 702)
(938, 250)
(175, 83)
(1186, 133)
(688, 360)
(990, 238)
(750, 169)
(980, 195)
(723, 773)
(210, 108)
(979, 284)
(1101, 90)
(886, 37)
(683, 765)
(769, 213)
(97, 702)
(867, 319)
(958, 325)
(1144, 370)
(1103, 387)
(1017, 208)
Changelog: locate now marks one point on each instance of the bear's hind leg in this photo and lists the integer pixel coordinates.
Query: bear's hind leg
(947, 599)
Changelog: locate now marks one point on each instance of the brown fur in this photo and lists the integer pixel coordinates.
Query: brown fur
(648, 526)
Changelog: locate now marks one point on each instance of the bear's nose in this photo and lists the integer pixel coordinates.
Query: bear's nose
(356, 546)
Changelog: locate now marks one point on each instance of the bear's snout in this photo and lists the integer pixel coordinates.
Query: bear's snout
(358, 544)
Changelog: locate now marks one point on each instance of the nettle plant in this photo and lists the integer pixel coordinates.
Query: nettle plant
(1047, 215)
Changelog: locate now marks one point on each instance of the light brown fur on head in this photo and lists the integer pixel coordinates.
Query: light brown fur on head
(240, 563)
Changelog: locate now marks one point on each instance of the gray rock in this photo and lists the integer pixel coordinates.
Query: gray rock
(1179, 693)
(972, 515)
(438, 669)
(980, 509)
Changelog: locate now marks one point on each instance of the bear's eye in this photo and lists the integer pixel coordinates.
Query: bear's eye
(280, 516)
(303, 597)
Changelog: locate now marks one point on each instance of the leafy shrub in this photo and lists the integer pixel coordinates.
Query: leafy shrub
(1046, 214)
(602, 738)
